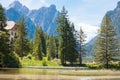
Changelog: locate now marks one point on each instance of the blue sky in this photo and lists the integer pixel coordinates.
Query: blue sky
(85, 13)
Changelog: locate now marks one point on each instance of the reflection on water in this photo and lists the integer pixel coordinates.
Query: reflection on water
(57, 79)
(106, 79)
(42, 74)
(23, 71)
(98, 79)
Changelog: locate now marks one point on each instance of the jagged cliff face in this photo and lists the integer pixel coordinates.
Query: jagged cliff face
(115, 16)
(44, 16)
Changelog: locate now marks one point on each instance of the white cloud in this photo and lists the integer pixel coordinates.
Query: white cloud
(31, 4)
(90, 31)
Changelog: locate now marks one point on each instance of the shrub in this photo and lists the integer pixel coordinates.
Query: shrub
(115, 65)
(29, 56)
(11, 60)
(44, 62)
(93, 66)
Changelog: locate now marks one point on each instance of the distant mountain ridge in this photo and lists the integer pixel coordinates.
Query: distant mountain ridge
(115, 17)
(44, 16)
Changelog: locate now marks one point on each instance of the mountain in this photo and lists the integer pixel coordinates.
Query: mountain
(44, 16)
(115, 16)
(90, 47)
(14, 15)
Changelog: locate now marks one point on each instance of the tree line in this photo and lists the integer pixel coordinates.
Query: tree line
(68, 45)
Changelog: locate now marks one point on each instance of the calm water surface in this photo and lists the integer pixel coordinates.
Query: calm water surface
(40, 74)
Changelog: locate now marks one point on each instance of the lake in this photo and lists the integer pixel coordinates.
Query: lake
(57, 74)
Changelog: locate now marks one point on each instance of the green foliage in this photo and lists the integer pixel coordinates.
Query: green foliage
(51, 48)
(30, 46)
(29, 60)
(38, 47)
(21, 45)
(93, 66)
(67, 46)
(115, 65)
(44, 62)
(71, 45)
(7, 59)
(43, 40)
(11, 60)
(106, 44)
(3, 18)
(4, 42)
(29, 56)
(1, 60)
(82, 50)
(4, 47)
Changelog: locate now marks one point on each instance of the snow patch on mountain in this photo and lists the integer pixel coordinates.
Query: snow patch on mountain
(90, 30)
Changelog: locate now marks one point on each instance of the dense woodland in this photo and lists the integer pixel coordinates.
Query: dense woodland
(65, 49)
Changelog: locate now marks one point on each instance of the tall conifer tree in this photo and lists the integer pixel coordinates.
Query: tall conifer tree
(3, 18)
(7, 58)
(21, 43)
(4, 38)
(66, 39)
(37, 45)
(51, 48)
(81, 40)
(106, 44)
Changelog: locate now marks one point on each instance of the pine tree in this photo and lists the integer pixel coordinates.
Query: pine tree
(21, 45)
(106, 44)
(7, 58)
(66, 39)
(3, 18)
(51, 48)
(37, 45)
(57, 45)
(4, 38)
(4, 47)
(81, 40)
(4, 42)
(62, 34)
(72, 46)
(43, 41)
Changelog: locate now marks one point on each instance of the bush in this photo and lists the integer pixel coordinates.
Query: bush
(115, 65)
(93, 66)
(44, 62)
(29, 56)
(11, 60)
(1, 60)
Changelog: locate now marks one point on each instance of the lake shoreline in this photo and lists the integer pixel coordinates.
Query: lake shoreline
(57, 74)
(47, 77)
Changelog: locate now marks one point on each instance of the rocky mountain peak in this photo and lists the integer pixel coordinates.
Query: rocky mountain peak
(19, 7)
(16, 4)
(118, 7)
(118, 4)
(52, 6)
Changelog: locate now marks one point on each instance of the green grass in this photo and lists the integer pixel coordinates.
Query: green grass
(32, 62)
